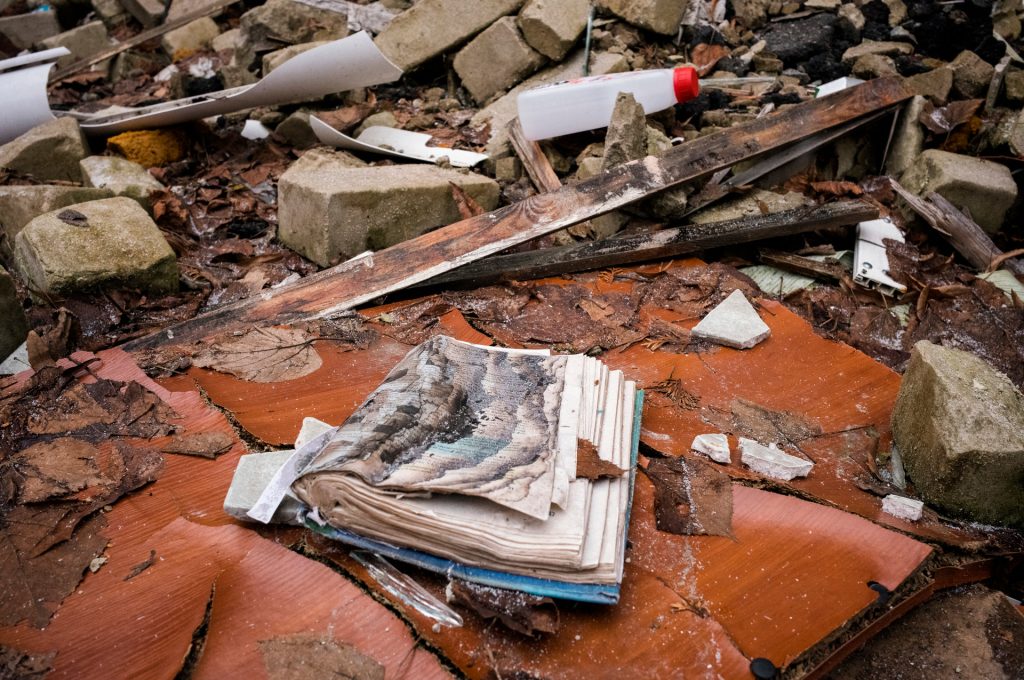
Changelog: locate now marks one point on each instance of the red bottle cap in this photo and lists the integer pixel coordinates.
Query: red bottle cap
(686, 83)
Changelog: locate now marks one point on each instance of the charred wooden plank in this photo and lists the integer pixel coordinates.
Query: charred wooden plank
(963, 233)
(805, 266)
(361, 280)
(627, 249)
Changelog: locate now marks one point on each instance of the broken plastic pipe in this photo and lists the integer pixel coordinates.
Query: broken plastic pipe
(389, 141)
(338, 66)
(23, 83)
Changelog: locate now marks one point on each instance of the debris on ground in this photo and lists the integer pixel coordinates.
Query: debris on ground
(224, 223)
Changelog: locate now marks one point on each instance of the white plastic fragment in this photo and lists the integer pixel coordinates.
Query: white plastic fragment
(903, 507)
(871, 259)
(714, 446)
(733, 323)
(253, 129)
(23, 82)
(836, 85)
(770, 461)
(388, 141)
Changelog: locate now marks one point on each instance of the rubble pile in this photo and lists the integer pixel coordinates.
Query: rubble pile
(882, 214)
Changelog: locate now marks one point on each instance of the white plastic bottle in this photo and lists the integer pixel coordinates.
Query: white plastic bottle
(587, 103)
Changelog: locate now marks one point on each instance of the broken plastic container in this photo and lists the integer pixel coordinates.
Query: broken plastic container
(587, 103)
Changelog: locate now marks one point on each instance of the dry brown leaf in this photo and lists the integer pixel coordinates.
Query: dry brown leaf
(947, 118)
(262, 355)
(303, 656)
(467, 206)
(203, 444)
(691, 497)
(705, 56)
(527, 614)
(589, 465)
(55, 469)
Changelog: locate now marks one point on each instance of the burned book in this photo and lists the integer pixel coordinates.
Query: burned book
(512, 468)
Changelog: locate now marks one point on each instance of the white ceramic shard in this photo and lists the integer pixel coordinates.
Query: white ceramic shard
(903, 507)
(733, 323)
(772, 462)
(714, 446)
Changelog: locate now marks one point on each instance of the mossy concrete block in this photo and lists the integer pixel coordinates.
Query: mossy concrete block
(959, 426)
(329, 211)
(552, 27)
(20, 204)
(50, 151)
(120, 176)
(496, 60)
(13, 325)
(110, 242)
(660, 16)
(985, 188)
(971, 75)
(432, 27)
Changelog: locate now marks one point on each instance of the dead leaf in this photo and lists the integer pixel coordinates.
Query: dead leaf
(595, 309)
(55, 469)
(705, 56)
(262, 355)
(589, 465)
(308, 657)
(142, 566)
(522, 612)
(467, 206)
(34, 586)
(837, 188)
(73, 217)
(747, 419)
(947, 118)
(15, 663)
(203, 444)
(691, 497)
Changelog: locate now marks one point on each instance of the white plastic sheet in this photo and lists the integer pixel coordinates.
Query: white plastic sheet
(394, 142)
(23, 104)
(338, 66)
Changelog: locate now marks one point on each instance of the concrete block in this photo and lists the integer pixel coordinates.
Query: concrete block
(851, 21)
(733, 323)
(120, 176)
(20, 204)
(971, 75)
(25, 30)
(935, 85)
(496, 60)
(180, 8)
(552, 27)
(626, 137)
(227, 41)
(878, 48)
(50, 151)
(13, 324)
(329, 211)
(959, 426)
(190, 38)
(83, 42)
(295, 130)
(110, 12)
(908, 140)
(272, 60)
(149, 13)
(285, 22)
(110, 242)
(986, 189)
(432, 27)
(1014, 84)
(660, 16)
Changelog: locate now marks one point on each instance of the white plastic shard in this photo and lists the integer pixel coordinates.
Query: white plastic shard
(389, 141)
(253, 129)
(23, 83)
(714, 446)
(770, 461)
(871, 259)
(905, 508)
(733, 323)
(338, 66)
